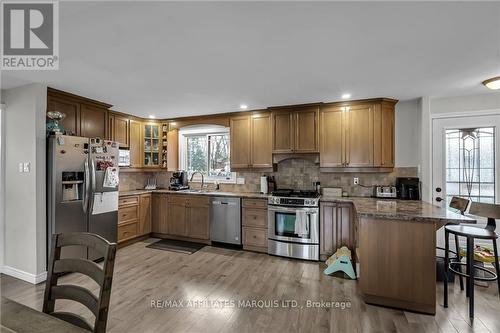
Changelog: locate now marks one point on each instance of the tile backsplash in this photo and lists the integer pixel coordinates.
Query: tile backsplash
(291, 173)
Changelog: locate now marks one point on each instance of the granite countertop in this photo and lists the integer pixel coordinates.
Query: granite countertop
(408, 210)
(253, 195)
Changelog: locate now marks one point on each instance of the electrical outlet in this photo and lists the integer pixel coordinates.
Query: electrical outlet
(26, 167)
(20, 167)
(356, 180)
(240, 180)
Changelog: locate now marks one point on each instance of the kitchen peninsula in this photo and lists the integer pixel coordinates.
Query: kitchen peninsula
(396, 250)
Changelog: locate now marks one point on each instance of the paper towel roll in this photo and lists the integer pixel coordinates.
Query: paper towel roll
(263, 185)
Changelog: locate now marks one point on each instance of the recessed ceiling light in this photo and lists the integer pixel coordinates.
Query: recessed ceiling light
(346, 96)
(493, 83)
(243, 106)
(152, 116)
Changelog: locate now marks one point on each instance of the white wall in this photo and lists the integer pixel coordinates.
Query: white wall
(407, 116)
(480, 102)
(2, 185)
(25, 219)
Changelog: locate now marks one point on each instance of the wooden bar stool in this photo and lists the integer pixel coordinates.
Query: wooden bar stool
(461, 205)
(491, 212)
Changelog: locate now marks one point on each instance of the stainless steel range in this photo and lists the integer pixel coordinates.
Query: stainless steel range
(293, 218)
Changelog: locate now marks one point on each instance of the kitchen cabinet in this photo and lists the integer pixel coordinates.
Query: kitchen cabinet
(173, 150)
(384, 132)
(151, 144)
(251, 141)
(135, 145)
(84, 116)
(295, 129)
(240, 142)
(254, 224)
(119, 129)
(128, 218)
(189, 216)
(336, 228)
(93, 121)
(144, 214)
(159, 211)
(357, 135)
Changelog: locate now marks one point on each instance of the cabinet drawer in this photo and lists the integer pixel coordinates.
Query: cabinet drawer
(177, 199)
(199, 201)
(127, 231)
(254, 237)
(255, 203)
(128, 214)
(128, 201)
(255, 217)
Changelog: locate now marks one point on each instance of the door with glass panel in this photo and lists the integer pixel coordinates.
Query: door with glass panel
(466, 160)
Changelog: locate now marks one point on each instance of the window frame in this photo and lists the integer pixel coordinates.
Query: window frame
(206, 131)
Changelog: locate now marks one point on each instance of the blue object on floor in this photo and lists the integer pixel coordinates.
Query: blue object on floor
(343, 264)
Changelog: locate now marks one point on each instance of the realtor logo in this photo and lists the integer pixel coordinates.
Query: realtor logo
(30, 35)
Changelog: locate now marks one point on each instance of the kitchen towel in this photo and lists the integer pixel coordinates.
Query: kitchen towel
(111, 177)
(301, 225)
(105, 202)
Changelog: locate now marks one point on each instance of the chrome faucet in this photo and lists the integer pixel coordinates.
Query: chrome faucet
(202, 179)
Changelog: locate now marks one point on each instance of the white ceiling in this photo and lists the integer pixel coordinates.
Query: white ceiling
(174, 59)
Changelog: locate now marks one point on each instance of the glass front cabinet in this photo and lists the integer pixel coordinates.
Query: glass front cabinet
(151, 145)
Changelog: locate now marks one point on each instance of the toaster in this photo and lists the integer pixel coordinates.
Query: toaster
(384, 192)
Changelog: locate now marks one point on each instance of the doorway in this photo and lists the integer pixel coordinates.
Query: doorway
(465, 161)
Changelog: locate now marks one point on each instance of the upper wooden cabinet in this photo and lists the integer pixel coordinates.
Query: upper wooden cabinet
(251, 141)
(119, 129)
(173, 150)
(84, 116)
(357, 134)
(135, 145)
(151, 144)
(295, 130)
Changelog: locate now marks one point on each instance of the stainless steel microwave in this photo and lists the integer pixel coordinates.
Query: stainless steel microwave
(124, 158)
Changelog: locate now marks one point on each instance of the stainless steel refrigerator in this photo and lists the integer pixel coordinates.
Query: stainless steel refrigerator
(82, 189)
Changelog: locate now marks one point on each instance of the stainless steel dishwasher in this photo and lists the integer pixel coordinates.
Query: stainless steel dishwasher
(225, 220)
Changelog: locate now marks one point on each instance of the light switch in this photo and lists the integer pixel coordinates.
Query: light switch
(26, 166)
(20, 167)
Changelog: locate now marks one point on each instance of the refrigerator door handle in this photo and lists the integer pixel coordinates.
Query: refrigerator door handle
(85, 201)
(92, 179)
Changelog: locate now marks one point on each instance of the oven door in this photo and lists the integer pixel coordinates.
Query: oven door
(281, 224)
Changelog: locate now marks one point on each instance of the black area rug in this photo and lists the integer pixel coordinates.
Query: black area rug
(176, 246)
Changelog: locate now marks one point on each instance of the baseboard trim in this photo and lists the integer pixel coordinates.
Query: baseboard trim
(25, 276)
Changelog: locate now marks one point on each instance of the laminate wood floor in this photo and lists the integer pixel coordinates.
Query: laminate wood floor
(216, 277)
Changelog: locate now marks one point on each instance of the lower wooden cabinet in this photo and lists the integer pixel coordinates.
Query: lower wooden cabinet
(254, 224)
(336, 228)
(181, 216)
(134, 216)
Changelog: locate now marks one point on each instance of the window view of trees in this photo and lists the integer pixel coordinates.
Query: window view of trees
(208, 154)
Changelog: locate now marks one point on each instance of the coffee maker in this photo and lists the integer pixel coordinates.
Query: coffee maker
(408, 188)
(179, 181)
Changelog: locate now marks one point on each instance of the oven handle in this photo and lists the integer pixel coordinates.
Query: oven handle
(292, 210)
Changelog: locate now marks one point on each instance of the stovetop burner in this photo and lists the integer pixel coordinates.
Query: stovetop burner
(295, 193)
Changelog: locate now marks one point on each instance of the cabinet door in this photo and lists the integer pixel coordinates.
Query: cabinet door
(332, 151)
(283, 135)
(70, 108)
(151, 145)
(240, 142)
(343, 228)
(135, 145)
(384, 135)
(93, 121)
(176, 219)
(306, 131)
(198, 221)
(159, 213)
(261, 149)
(173, 150)
(121, 128)
(327, 217)
(359, 136)
(144, 214)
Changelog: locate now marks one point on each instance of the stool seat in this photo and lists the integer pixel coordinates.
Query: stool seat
(468, 231)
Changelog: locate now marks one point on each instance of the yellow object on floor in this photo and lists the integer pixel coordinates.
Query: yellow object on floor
(481, 253)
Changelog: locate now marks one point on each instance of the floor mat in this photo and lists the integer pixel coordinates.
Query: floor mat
(176, 246)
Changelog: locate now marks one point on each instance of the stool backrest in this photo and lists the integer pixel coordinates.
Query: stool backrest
(459, 204)
(102, 276)
(490, 211)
